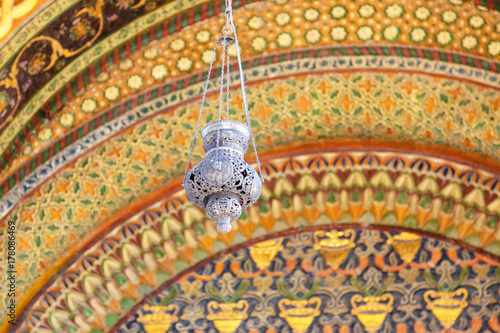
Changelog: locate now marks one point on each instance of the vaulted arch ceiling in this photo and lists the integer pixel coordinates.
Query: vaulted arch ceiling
(303, 191)
(385, 111)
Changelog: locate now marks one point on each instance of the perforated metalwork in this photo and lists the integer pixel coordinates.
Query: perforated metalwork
(244, 186)
(224, 209)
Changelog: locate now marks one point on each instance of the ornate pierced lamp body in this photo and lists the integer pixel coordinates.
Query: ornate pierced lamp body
(223, 183)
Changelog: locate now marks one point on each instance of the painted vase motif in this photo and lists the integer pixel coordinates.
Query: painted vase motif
(372, 311)
(230, 316)
(336, 247)
(263, 253)
(406, 245)
(159, 321)
(299, 314)
(446, 306)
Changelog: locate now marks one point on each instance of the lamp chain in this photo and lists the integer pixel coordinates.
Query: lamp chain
(227, 83)
(229, 14)
(217, 166)
(201, 110)
(226, 31)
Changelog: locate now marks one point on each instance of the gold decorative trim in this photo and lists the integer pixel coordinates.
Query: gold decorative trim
(35, 25)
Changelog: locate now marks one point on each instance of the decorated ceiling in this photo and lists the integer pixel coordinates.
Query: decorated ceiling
(379, 129)
(351, 280)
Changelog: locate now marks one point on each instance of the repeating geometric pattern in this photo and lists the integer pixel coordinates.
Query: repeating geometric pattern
(384, 189)
(447, 26)
(20, 28)
(400, 102)
(172, 93)
(98, 58)
(416, 284)
(284, 111)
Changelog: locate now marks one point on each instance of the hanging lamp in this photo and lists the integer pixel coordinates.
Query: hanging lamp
(223, 183)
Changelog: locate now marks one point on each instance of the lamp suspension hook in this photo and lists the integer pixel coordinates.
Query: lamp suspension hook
(229, 10)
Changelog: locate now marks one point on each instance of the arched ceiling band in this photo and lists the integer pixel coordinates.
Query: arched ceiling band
(91, 55)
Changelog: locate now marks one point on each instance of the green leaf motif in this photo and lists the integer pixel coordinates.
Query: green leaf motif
(464, 273)
(431, 282)
(242, 289)
(214, 293)
(170, 297)
(356, 284)
(497, 272)
(390, 280)
(312, 291)
(284, 291)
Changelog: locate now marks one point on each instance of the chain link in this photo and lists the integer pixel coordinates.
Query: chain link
(243, 92)
(201, 110)
(227, 83)
(221, 93)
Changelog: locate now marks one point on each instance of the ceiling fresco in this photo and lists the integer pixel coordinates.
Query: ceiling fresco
(305, 191)
(326, 281)
(116, 172)
(374, 119)
(80, 119)
(446, 114)
(384, 23)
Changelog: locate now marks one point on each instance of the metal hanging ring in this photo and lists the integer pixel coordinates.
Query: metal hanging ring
(226, 41)
(227, 32)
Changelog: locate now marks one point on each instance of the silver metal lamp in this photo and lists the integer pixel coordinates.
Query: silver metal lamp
(223, 183)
